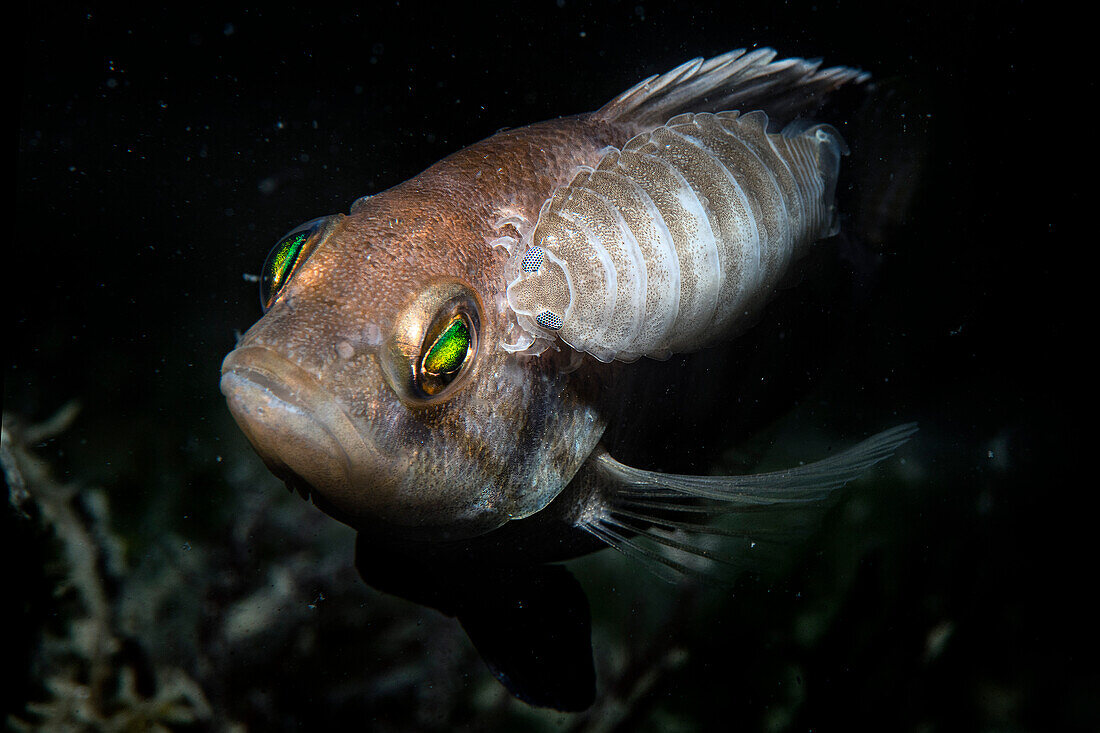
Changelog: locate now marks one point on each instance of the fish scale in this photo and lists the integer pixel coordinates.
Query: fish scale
(737, 205)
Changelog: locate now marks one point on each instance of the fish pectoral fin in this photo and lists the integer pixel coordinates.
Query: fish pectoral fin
(668, 521)
(534, 631)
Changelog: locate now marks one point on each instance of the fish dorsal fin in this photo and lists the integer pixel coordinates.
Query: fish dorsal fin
(666, 521)
(753, 80)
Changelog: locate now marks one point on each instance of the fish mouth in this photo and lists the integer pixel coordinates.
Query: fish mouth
(294, 423)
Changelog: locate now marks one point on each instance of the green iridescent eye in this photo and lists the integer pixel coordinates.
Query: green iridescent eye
(446, 349)
(429, 351)
(449, 350)
(286, 257)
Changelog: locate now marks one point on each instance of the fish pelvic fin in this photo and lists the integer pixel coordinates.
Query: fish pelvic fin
(531, 624)
(535, 634)
(719, 527)
(736, 80)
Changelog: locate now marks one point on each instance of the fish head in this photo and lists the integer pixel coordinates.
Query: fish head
(376, 380)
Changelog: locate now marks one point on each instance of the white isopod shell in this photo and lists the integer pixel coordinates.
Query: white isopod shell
(675, 241)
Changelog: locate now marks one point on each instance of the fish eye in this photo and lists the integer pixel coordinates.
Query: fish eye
(433, 344)
(445, 354)
(290, 253)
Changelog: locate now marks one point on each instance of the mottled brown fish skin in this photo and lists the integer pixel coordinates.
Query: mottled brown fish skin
(516, 431)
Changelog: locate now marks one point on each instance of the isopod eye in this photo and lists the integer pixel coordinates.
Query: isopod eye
(549, 320)
(532, 260)
(292, 250)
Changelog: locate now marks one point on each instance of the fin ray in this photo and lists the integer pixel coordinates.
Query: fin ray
(706, 529)
(649, 558)
(661, 520)
(810, 482)
(751, 80)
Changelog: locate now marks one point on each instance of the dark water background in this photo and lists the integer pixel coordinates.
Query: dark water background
(161, 153)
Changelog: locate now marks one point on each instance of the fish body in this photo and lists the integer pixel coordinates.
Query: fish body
(407, 377)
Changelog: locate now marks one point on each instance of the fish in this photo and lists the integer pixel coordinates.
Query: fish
(438, 367)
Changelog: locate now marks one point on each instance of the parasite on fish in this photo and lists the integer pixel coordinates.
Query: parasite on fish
(672, 242)
(438, 367)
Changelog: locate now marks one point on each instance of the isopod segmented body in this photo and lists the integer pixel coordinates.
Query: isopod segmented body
(673, 242)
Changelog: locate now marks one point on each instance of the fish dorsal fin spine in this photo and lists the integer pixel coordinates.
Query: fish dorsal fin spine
(745, 80)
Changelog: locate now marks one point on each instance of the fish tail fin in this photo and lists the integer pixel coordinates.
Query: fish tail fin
(752, 80)
(667, 521)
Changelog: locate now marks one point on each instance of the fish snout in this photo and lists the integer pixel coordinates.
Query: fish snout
(293, 423)
(365, 465)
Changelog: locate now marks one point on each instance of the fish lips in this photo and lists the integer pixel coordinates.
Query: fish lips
(297, 427)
